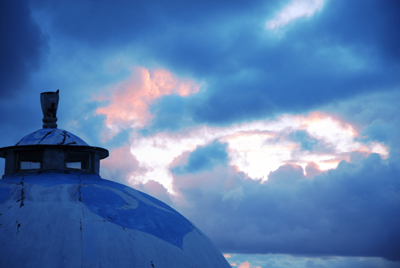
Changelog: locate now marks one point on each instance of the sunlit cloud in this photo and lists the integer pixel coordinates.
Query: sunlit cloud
(294, 10)
(128, 101)
(256, 148)
(279, 260)
(121, 164)
(244, 265)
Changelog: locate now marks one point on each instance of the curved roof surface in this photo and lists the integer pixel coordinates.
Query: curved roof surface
(51, 136)
(81, 220)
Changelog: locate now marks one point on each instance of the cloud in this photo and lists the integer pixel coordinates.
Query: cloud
(368, 28)
(253, 116)
(374, 117)
(128, 101)
(312, 170)
(256, 148)
(204, 158)
(244, 265)
(313, 65)
(121, 165)
(294, 10)
(349, 211)
(283, 261)
(22, 46)
(154, 188)
(110, 24)
(309, 143)
(346, 50)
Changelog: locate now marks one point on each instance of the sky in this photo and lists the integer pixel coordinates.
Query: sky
(271, 125)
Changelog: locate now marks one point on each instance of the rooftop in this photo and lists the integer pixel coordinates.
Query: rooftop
(51, 136)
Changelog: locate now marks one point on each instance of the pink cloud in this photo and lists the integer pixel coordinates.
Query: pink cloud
(244, 265)
(129, 100)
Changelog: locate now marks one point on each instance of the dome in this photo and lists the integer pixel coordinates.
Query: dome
(51, 136)
(55, 219)
(56, 210)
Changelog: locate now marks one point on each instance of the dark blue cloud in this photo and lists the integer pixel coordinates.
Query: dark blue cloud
(251, 76)
(102, 24)
(369, 24)
(21, 47)
(204, 158)
(312, 65)
(350, 211)
(347, 49)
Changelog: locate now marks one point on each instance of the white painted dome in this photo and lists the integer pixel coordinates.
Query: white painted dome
(55, 219)
(51, 136)
(56, 211)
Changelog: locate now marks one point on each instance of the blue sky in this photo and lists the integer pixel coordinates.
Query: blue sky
(272, 125)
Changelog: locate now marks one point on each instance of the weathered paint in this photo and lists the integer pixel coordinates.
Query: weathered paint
(58, 219)
(51, 136)
(122, 208)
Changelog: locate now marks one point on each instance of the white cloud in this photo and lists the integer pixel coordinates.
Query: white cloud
(256, 148)
(296, 9)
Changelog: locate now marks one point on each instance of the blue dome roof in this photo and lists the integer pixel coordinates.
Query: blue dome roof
(51, 136)
(56, 219)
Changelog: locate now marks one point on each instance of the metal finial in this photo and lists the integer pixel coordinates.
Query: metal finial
(49, 101)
